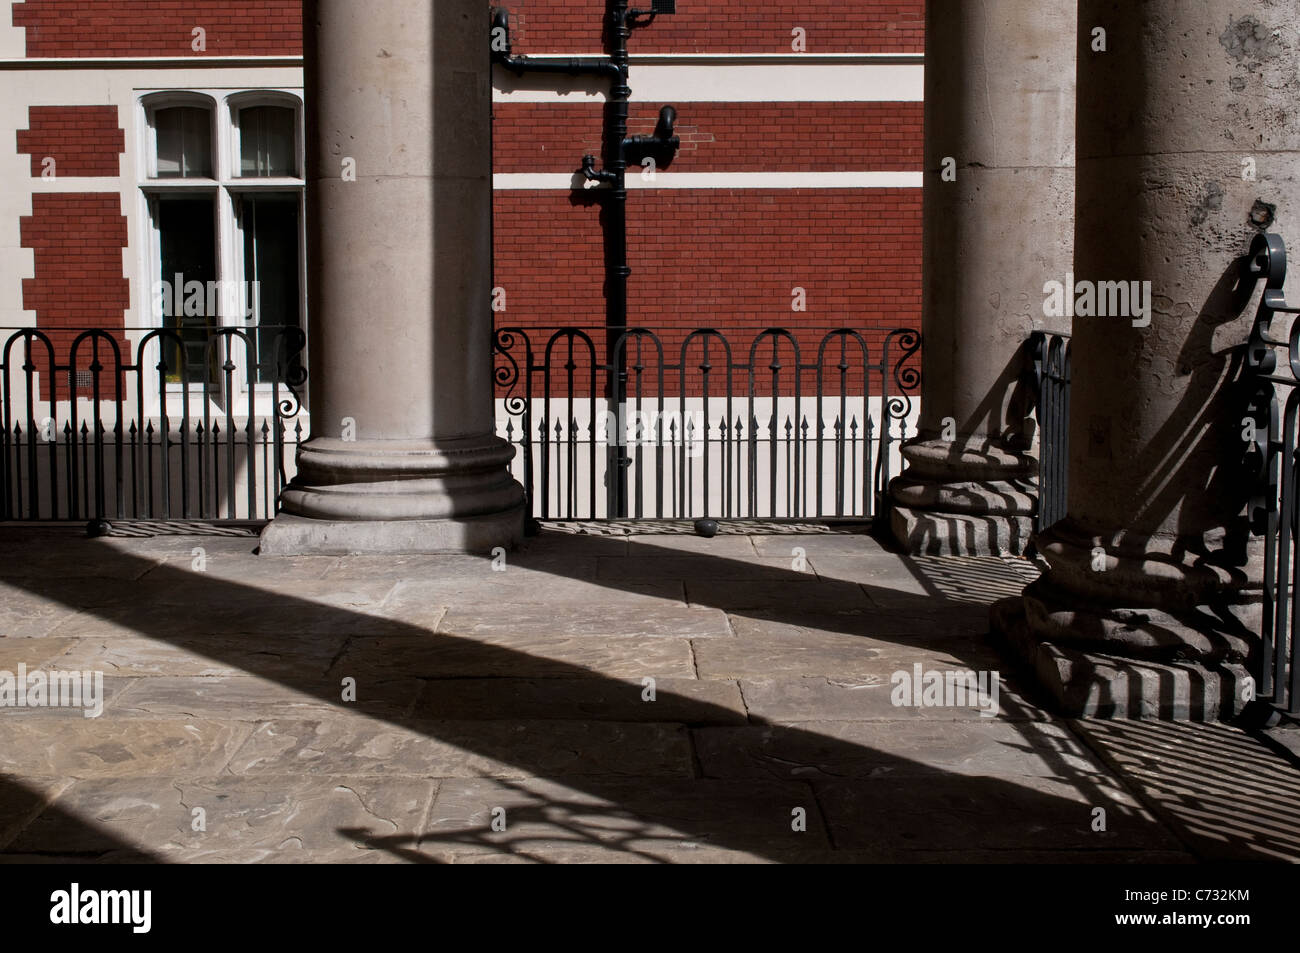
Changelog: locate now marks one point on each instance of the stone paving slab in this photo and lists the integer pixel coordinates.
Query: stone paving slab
(593, 621)
(1229, 795)
(281, 656)
(76, 747)
(870, 698)
(76, 698)
(656, 815)
(812, 594)
(695, 568)
(931, 629)
(270, 615)
(33, 653)
(27, 616)
(22, 799)
(676, 545)
(501, 655)
(677, 700)
(63, 556)
(269, 813)
(273, 573)
(842, 750)
(986, 813)
(854, 545)
(456, 749)
(759, 655)
(248, 698)
(520, 586)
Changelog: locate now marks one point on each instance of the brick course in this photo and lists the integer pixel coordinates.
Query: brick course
(721, 137)
(74, 28)
(82, 140)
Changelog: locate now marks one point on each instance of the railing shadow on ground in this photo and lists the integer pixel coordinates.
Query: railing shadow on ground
(881, 797)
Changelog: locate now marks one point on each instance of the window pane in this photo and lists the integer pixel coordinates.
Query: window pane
(184, 142)
(270, 225)
(187, 237)
(266, 141)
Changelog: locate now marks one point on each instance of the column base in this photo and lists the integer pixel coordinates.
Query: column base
(289, 535)
(1087, 683)
(934, 533)
(398, 497)
(966, 497)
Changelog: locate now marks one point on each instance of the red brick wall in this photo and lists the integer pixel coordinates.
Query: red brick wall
(82, 140)
(76, 28)
(77, 239)
(726, 258)
(761, 26)
(722, 137)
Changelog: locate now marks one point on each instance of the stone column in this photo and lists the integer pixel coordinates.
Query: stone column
(403, 456)
(999, 115)
(1188, 137)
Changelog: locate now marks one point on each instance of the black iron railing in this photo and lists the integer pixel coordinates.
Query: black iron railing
(148, 423)
(1048, 367)
(1271, 428)
(773, 428)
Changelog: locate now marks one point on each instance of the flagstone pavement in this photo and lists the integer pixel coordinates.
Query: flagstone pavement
(642, 698)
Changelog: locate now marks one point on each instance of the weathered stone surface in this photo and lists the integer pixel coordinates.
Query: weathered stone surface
(26, 615)
(870, 697)
(760, 654)
(60, 556)
(33, 653)
(450, 749)
(268, 614)
(830, 750)
(113, 689)
(677, 700)
(987, 813)
(117, 747)
(638, 819)
(527, 656)
(818, 546)
(520, 585)
(290, 813)
(924, 583)
(645, 568)
(280, 656)
(247, 698)
(22, 799)
(1229, 796)
(887, 631)
(595, 621)
(648, 546)
(810, 594)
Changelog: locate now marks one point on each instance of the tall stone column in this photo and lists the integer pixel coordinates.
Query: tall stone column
(1188, 137)
(403, 456)
(999, 115)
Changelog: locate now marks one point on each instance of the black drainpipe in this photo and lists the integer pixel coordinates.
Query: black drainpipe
(616, 152)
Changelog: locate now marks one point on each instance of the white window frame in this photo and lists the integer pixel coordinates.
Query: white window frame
(226, 185)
